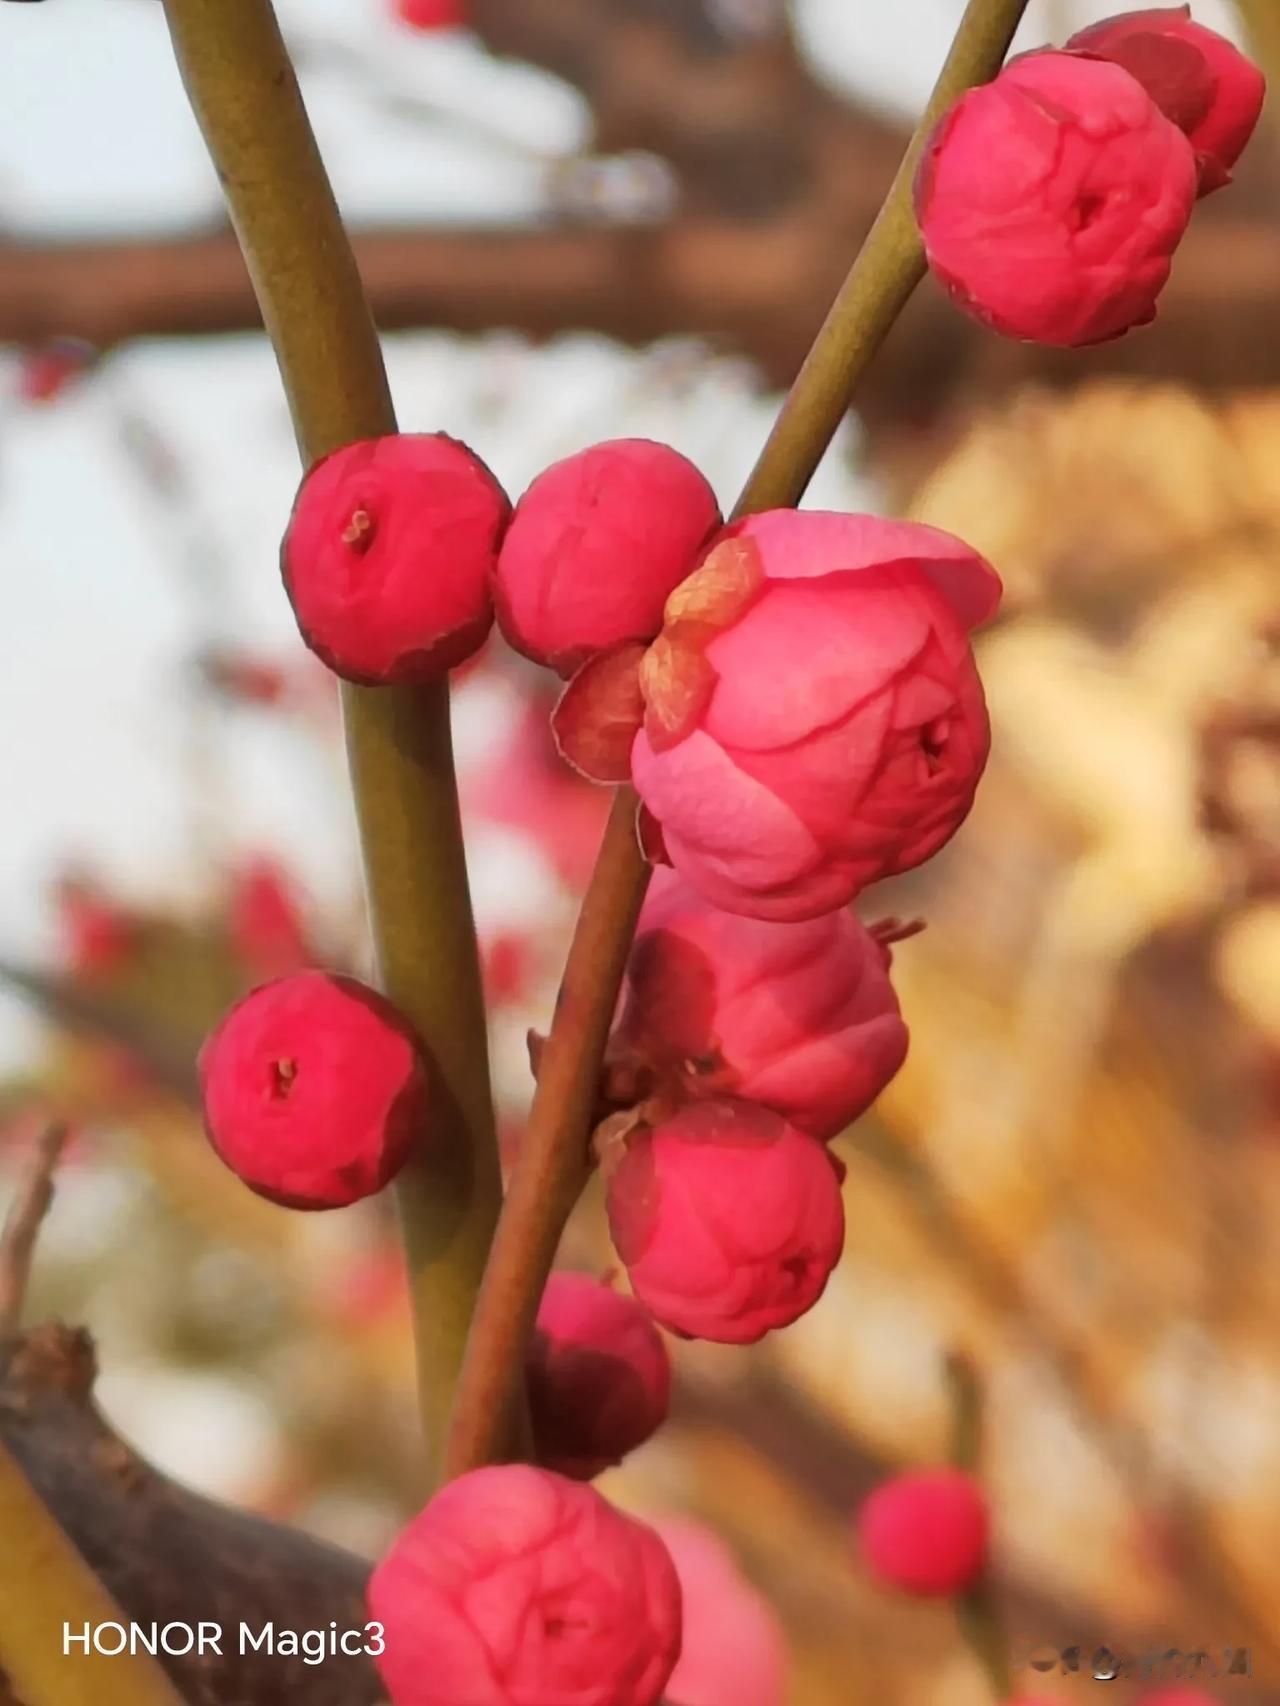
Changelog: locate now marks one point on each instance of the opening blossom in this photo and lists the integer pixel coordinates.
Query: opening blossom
(598, 1376)
(801, 1018)
(516, 1587)
(595, 546)
(1200, 81)
(314, 1089)
(926, 1533)
(734, 1651)
(388, 555)
(728, 1219)
(813, 718)
(1051, 200)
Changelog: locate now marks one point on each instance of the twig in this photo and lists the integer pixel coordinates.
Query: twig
(883, 277)
(976, 1612)
(245, 96)
(551, 1164)
(31, 1202)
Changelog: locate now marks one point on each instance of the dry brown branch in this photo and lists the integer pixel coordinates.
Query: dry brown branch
(32, 1198)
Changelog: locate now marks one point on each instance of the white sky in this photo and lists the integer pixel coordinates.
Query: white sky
(95, 136)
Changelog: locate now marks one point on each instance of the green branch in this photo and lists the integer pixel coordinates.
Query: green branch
(245, 96)
(552, 1163)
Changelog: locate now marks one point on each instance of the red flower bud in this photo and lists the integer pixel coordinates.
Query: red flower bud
(734, 1651)
(814, 720)
(728, 1219)
(98, 935)
(433, 14)
(926, 1533)
(46, 370)
(314, 1090)
(1200, 81)
(595, 546)
(516, 1587)
(388, 555)
(1051, 200)
(799, 1017)
(599, 1377)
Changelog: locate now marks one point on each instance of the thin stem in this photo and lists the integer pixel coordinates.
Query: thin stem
(976, 1612)
(32, 1198)
(889, 267)
(44, 1585)
(246, 98)
(552, 1163)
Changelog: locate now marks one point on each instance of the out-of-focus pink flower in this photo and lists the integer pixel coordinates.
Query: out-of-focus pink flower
(1177, 1697)
(595, 546)
(734, 1651)
(1200, 81)
(506, 961)
(800, 1017)
(814, 720)
(265, 921)
(1051, 201)
(242, 678)
(99, 936)
(599, 1377)
(314, 1089)
(528, 786)
(46, 370)
(926, 1533)
(388, 554)
(728, 1219)
(433, 14)
(517, 1587)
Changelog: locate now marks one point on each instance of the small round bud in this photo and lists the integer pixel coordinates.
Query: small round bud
(595, 546)
(926, 1533)
(314, 1089)
(516, 1587)
(1051, 200)
(388, 556)
(728, 1219)
(599, 1377)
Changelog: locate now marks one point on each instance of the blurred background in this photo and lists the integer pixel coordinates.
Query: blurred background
(590, 218)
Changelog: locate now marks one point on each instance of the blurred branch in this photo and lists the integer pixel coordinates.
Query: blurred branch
(32, 1198)
(164, 1555)
(45, 1585)
(246, 99)
(551, 1166)
(101, 1019)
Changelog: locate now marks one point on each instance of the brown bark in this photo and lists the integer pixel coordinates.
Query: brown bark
(167, 1555)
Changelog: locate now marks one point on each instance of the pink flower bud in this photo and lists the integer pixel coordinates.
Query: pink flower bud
(516, 1587)
(313, 1090)
(595, 546)
(814, 720)
(433, 14)
(1051, 200)
(799, 1017)
(926, 1533)
(734, 1649)
(599, 1377)
(729, 1220)
(1177, 1697)
(388, 556)
(1200, 81)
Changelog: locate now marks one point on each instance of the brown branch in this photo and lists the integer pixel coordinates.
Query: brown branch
(552, 1159)
(32, 1199)
(166, 1555)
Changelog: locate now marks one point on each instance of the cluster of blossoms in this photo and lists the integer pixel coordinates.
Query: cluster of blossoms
(795, 700)
(1052, 200)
